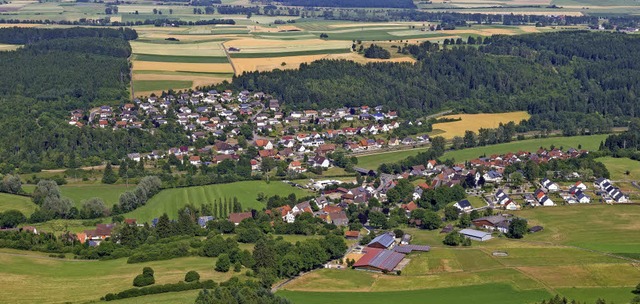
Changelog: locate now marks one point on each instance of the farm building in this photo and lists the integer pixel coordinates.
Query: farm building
(476, 235)
(383, 241)
(494, 222)
(376, 259)
(410, 248)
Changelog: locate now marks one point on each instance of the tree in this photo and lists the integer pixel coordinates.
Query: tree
(264, 255)
(431, 220)
(11, 219)
(451, 213)
(453, 238)
(12, 184)
(517, 228)
(464, 221)
(93, 208)
(376, 51)
(164, 227)
(59, 207)
(377, 219)
(636, 290)
(144, 279)
(44, 189)
(192, 276)
(109, 177)
(224, 263)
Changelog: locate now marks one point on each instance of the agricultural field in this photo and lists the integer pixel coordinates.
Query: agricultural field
(580, 252)
(35, 277)
(618, 168)
(170, 200)
(16, 202)
(474, 122)
(372, 161)
(110, 194)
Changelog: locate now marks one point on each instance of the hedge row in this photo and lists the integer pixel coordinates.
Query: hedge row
(138, 292)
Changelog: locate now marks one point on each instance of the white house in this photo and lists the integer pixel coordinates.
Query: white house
(549, 185)
(463, 205)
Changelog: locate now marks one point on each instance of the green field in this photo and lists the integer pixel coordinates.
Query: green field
(110, 194)
(158, 85)
(16, 202)
(286, 54)
(488, 293)
(185, 59)
(619, 166)
(36, 278)
(588, 143)
(171, 200)
(165, 298)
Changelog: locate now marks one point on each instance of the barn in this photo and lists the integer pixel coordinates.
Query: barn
(376, 259)
(383, 241)
(476, 235)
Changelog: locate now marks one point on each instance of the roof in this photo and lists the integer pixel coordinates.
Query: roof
(380, 258)
(474, 233)
(464, 204)
(352, 233)
(238, 217)
(385, 240)
(410, 248)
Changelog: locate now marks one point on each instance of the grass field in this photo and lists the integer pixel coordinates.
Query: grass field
(588, 143)
(110, 194)
(619, 166)
(286, 54)
(171, 200)
(159, 85)
(185, 59)
(474, 122)
(36, 278)
(16, 202)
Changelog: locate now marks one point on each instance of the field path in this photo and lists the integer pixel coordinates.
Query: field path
(229, 58)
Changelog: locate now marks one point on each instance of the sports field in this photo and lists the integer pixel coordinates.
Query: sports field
(571, 256)
(474, 122)
(171, 200)
(587, 142)
(35, 278)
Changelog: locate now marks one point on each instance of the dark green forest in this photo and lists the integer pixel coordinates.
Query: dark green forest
(580, 82)
(55, 72)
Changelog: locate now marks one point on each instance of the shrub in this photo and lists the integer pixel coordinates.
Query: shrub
(180, 286)
(224, 263)
(192, 276)
(142, 280)
(148, 271)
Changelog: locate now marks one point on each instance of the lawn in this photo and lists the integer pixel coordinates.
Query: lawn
(160, 85)
(16, 202)
(170, 200)
(35, 278)
(487, 293)
(618, 168)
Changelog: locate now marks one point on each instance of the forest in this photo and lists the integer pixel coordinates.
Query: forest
(580, 82)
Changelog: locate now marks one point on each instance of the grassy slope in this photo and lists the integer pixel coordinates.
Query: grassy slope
(16, 202)
(155, 85)
(110, 194)
(587, 142)
(619, 166)
(171, 200)
(35, 278)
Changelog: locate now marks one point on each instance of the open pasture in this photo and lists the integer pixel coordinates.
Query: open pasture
(618, 167)
(474, 122)
(170, 200)
(36, 278)
(79, 193)
(16, 202)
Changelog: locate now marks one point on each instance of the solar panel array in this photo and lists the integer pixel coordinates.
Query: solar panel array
(410, 248)
(386, 259)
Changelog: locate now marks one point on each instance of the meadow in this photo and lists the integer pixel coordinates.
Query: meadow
(618, 168)
(474, 122)
(79, 193)
(170, 200)
(16, 202)
(592, 142)
(35, 278)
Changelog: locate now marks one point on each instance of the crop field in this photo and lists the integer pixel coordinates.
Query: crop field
(170, 200)
(592, 142)
(618, 168)
(474, 122)
(36, 278)
(569, 257)
(16, 202)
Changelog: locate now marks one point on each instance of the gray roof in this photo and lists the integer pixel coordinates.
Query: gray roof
(474, 233)
(385, 240)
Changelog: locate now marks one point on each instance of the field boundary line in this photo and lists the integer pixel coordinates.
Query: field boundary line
(45, 257)
(228, 57)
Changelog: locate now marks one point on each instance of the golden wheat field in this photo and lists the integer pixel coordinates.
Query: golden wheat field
(180, 66)
(253, 45)
(474, 122)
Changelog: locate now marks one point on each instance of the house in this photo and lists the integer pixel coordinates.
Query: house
(463, 205)
(101, 233)
(383, 241)
(319, 161)
(264, 143)
(352, 235)
(296, 166)
(549, 185)
(580, 185)
(543, 199)
(203, 220)
(494, 222)
(476, 235)
(512, 206)
(195, 160)
(339, 218)
(379, 260)
(236, 218)
(134, 156)
(492, 176)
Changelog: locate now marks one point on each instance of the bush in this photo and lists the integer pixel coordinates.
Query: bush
(192, 276)
(180, 286)
(224, 263)
(148, 271)
(142, 280)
